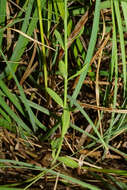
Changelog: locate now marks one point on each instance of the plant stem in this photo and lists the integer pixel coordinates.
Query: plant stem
(43, 48)
(64, 124)
(66, 57)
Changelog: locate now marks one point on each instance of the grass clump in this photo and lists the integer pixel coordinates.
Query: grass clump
(63, 94)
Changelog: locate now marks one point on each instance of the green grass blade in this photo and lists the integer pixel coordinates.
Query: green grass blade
(119, 152)
(55, 96)
(114, 62)
(61, 8)
(115, 171)
(124, 8)
(63, 176)
(5, 115)
(83, 132)
(17, 104)
(14, 116)
(50, 132)
(38, 107)
(75, 181)
(43, 42)
(11, 96)
(22, 41)
(2, 18)
(90, 50)
(122, 43)
(62, 69)
(68, 161)
(65, 122)
(56, 10)
(7, 125)
(120, 184)
(20, 45)
(23, 98)
(39, 123)
(65, 126)
(80, 72)
(59, 38)
(9, 188)
(105, 4)
(17, 19)
(20, 163)
(49, 17)
(89, 121)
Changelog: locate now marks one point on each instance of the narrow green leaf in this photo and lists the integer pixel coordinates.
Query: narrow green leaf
(65, 125)
(5, 115)
(59, 38)
(79, 72)
(60, 5)
(56, 10)
(90, 50)
(65, 121)
(38, 107)
(39, 123)
(114, 67)
(13, 115)
(82, 131)
(122, 43)
(2, 18)
(17, 104)
(69, 27)
(49, 16)
(62, 69)
(22, 42)
(43, 169)
(6, 124)
(11, 96)
(75, 51)
(68, 161)
(55, 96)
(79, 44)
(124, 8)
(9, 188)
(23, 97)
(90, 122)
(105, 4)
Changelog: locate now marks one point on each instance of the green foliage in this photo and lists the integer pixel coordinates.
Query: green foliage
(59, 38)
(68, 161)
(90, 50)
(55, 96)
(61, 8)
(62, 69)
(65, 121)
(122, 43)
(2, 18)
(57, 20)
(9, 188)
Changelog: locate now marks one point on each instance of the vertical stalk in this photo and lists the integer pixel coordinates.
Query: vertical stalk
(65, 118)
(43, 48)
(66, 56)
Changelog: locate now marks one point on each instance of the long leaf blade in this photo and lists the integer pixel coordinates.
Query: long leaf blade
(55, 96)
